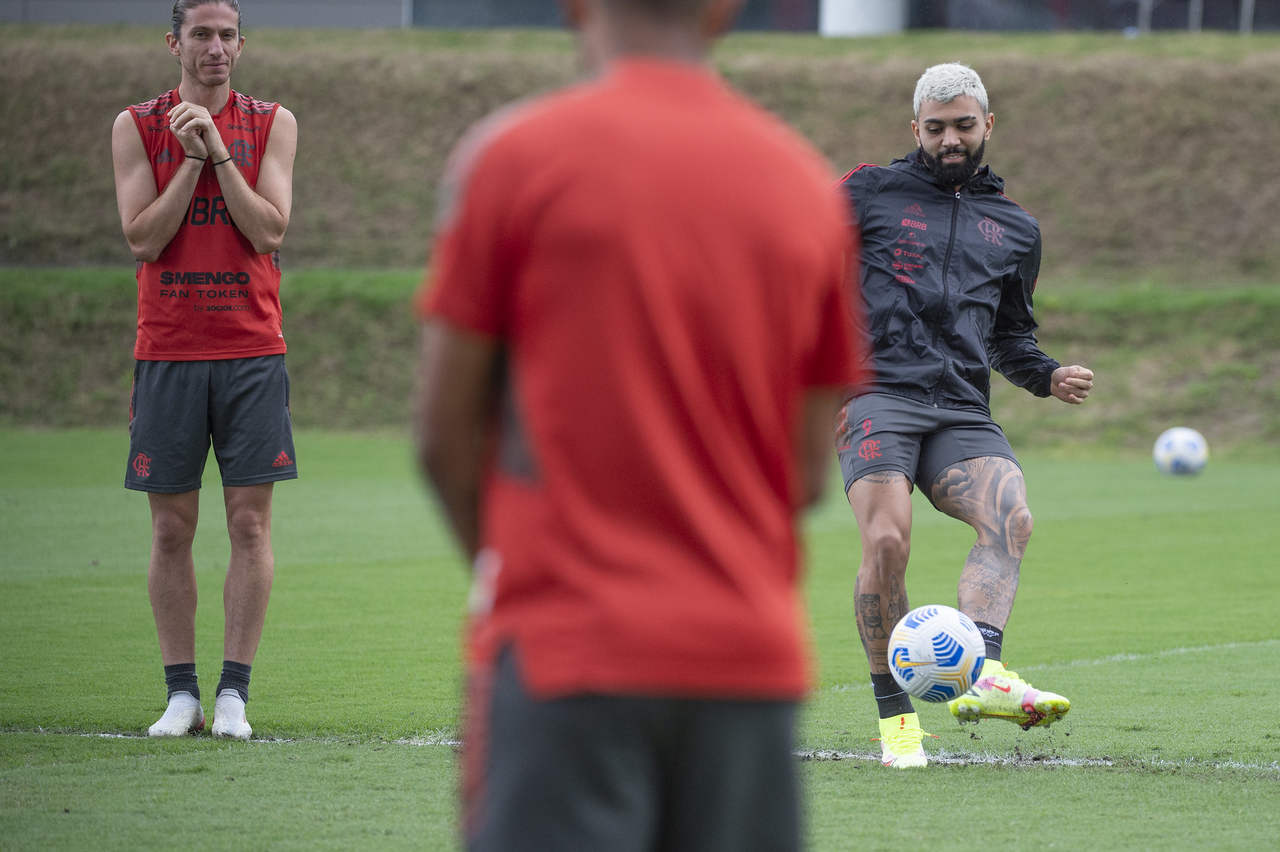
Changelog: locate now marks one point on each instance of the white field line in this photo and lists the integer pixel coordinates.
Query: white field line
(971, 759)
(1168, 652)
(944, 757)
(448, 738)
(959, 758)
(956, 758)
(1103, 661)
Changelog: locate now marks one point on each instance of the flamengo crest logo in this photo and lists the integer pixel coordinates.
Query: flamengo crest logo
(142, 465)
(241, 152)
(991, 232)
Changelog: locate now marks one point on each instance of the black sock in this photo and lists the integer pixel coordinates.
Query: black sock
(235, 676)
(890, 699)
(993, 637)
(181, 677)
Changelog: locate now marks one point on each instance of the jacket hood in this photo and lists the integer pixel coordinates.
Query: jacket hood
(983, 180)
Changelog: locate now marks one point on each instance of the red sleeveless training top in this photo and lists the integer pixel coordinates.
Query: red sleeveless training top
(209, 296)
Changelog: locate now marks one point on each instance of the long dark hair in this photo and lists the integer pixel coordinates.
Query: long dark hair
(182, 7)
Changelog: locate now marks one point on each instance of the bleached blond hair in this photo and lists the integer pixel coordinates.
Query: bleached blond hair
(944, 83)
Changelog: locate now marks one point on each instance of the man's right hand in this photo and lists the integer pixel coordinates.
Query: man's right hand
(190, 123)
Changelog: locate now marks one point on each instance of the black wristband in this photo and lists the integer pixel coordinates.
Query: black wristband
(220, 162)
(194, 157)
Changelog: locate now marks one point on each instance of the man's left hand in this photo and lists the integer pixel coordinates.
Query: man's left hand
(1071, 384)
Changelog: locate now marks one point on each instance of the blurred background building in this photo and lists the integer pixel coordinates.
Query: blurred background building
(833, 17)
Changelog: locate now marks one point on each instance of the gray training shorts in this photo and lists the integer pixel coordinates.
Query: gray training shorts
(178, 408)
(883, 431)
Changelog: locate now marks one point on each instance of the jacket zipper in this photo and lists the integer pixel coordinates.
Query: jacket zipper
(946, 292)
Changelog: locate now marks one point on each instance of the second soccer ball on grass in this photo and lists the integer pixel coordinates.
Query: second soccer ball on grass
(936, 652)
(1180, 451)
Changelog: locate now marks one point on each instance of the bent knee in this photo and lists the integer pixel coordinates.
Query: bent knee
(887, 549)
(1018, 528)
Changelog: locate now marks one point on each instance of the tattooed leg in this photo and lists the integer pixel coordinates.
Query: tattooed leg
(990, 495)
(881, 503)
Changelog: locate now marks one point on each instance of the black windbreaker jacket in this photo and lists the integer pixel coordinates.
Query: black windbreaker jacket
(947, 279)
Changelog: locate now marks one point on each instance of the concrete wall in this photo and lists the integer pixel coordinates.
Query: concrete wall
(843, 17)
(795, 15)
(756, 14)
(256, 13)
(485, 13)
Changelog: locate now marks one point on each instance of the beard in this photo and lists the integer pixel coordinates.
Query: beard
(954, 174)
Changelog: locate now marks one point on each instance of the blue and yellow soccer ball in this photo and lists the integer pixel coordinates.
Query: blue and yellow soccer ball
(936, 653)
(1180, 451)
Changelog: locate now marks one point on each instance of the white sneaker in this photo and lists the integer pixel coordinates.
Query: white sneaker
(183, 716)
(228, 716)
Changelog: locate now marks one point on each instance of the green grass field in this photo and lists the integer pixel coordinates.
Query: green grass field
(1151, 601)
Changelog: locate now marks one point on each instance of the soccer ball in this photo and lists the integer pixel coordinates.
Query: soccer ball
(936, 653)
(1180, 451)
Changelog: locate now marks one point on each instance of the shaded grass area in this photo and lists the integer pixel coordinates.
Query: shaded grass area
(1138, 155)
(1164, 355)
(1147, 599)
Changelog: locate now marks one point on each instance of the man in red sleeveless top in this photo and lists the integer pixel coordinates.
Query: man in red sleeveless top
(638, 333)
(204, 184)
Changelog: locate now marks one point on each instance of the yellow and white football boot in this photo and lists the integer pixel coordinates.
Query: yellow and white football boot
(1001, 694)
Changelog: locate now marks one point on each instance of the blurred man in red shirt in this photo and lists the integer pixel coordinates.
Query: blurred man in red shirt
(637, 334)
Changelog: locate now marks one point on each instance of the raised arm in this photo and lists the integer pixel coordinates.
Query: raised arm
(149, 220)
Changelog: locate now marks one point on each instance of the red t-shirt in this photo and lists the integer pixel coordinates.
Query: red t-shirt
(665, 265)
(209, 295)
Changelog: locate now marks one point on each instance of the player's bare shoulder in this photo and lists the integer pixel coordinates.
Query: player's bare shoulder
(284, 134)
(124, 123)
(283, 115)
